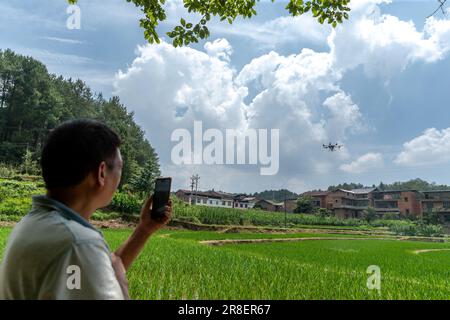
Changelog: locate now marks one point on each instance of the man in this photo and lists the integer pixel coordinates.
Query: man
(54, 252)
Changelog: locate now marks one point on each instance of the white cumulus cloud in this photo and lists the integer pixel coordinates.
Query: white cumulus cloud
(366, 162)
(431, 147)
(299, 94)
(383, 44)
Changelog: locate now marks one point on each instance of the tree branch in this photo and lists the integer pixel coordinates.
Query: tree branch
(440, 7)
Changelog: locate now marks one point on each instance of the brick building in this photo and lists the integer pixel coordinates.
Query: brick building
(352, 203)
(438, 202)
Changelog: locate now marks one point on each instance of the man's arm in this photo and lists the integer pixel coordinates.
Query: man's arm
(131, 248)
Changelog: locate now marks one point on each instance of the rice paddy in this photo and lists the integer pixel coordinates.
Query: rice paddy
(175, 264)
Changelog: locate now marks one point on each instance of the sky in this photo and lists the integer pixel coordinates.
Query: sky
(377, 85)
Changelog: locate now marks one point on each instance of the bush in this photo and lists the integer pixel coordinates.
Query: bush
(304, 205)
(6, 171)
(431, 217)
(387, 223)
(102, 216)
(408, 228)
(430, 230)
(391, 216)
(369, 214)
(322, 212)
(15, 206)
(126, 203)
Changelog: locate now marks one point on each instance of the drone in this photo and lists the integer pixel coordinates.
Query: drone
(332, 147)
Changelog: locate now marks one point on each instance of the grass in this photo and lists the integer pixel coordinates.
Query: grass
(174, 265)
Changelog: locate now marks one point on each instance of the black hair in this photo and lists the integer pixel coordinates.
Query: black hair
(74, 149)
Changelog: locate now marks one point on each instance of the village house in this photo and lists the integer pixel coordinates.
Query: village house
(243, 201)
(437, 201)
(216, 199)
(352, 203)
(268, 205)
(206, 198)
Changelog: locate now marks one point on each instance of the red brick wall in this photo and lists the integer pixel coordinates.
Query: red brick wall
(412, 204)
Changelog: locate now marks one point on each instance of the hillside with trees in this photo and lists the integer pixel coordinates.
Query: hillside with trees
(276, 195)
(413, 184)
(33, 102)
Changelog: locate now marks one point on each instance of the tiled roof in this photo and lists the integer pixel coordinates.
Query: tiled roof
(363, 190)
(272, 202)
(315, 193)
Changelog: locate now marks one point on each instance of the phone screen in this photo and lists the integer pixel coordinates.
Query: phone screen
(161, 196)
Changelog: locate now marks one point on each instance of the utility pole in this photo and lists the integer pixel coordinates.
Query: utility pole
(194, 184)
(285, 210)
(192, 190)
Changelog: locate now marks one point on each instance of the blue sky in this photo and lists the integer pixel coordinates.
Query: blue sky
(378, 84)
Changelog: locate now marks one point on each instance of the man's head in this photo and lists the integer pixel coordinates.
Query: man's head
(83, 154)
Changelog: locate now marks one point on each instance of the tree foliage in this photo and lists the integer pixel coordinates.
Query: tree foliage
(346, 186)
(143, 181)
(276, 195)
(369, 214)
(304, 205)
(332, 12)
(32, 102)
(413, 184)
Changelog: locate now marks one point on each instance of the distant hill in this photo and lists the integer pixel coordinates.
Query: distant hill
(413, 184)
(276, 195)
(33, 102)
(347, 186)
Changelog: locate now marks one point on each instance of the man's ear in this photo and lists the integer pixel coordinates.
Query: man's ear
(101, 174)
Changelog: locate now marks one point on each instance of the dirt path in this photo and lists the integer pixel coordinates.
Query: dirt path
(243, 241)
(429, 250)
(4, 224)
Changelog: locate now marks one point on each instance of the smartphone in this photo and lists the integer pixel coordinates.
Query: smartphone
(161, 196)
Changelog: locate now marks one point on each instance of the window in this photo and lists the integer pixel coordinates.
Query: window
(223, 203)
(246, 205)
(446, 204)
(240, 205)
(204, 201)
(210, 201)
(217, 202)
(406, 199)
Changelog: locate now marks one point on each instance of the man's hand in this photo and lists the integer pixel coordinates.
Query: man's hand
(146, 227)
(149, 224)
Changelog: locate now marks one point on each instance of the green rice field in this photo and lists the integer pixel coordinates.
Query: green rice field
(176, 265)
